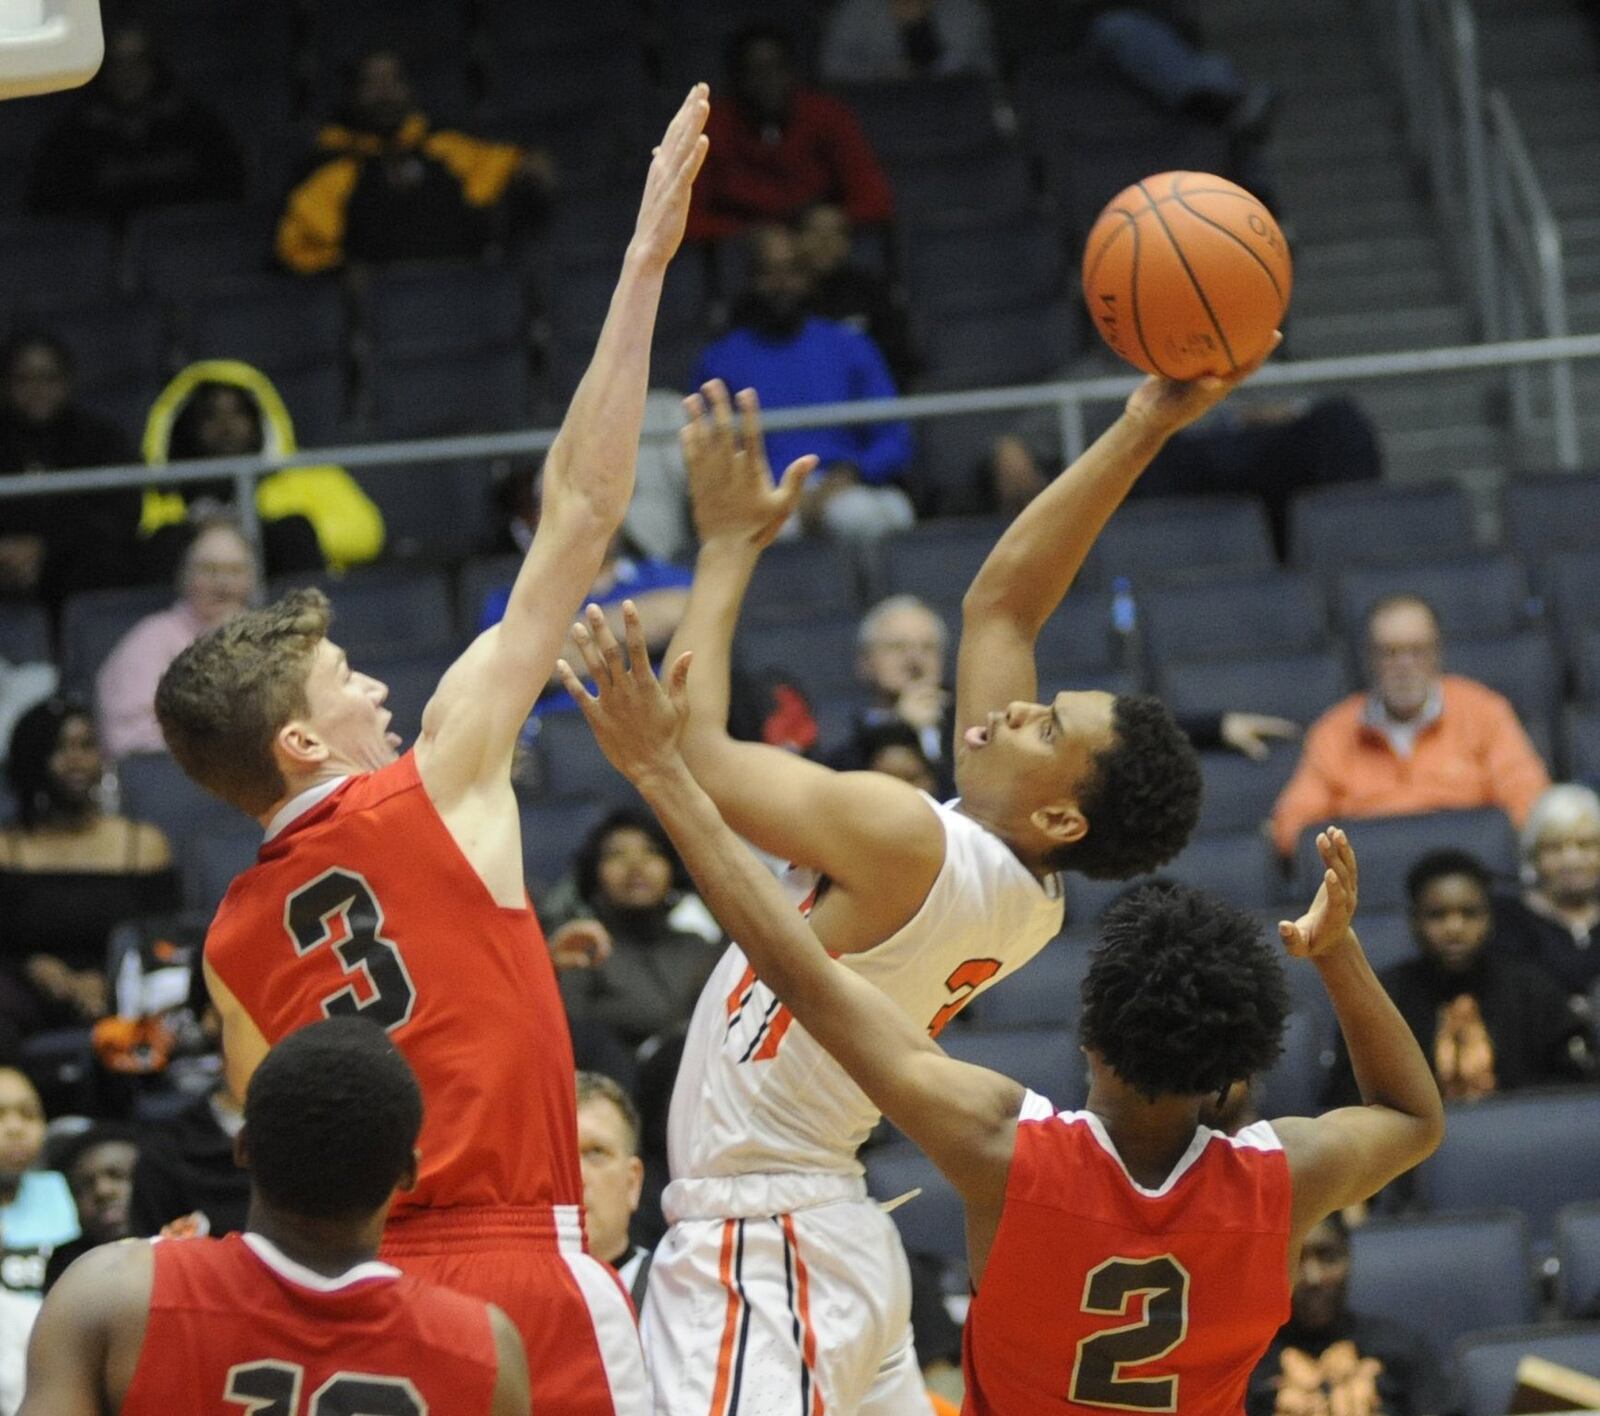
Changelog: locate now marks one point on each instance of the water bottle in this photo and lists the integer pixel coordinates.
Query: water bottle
(46, 45)
(1126, 649)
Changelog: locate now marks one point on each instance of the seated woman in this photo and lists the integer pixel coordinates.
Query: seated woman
(1555, 921)
(69, 872)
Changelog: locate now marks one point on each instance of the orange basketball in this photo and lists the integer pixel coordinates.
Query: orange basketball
(1187, 274)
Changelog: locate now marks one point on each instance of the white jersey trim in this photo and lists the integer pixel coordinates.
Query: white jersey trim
(296, 807)
(285, 1267)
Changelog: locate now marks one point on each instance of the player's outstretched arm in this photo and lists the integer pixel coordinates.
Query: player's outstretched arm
(470, 727)
(86, 1339)
(963, 1116)
(1034, 563)
(1345, 1156)
(511, 1394)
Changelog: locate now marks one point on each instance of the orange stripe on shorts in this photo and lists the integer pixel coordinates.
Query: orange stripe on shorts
(808, 1348)
(730, 1326)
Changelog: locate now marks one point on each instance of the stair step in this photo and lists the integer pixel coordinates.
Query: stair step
(1376, 287)
(1427, 403)
(1289, 153)
(1360, 253)
(1378, 330)
(1425, 454)
(1394, 216)
(1340, 182)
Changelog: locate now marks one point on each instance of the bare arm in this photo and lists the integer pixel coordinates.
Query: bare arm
(243, 1043)
(470, 727)
(1343, 1157)
(86, 1339)
(1035, 562)
(511, 1395)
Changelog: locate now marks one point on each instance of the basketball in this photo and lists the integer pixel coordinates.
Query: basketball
(1186, 274)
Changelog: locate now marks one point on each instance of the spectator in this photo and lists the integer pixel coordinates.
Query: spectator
(1488, 1023)
(385, 185)
(630, 880)
(851, 294)
(613, 1178)
(1418, 740)
(895, 749)
(878, 41)
(777, 147)
(1327, 1358)
(36, 1210)
(216, 580)
(310, 516)
(134, 139)
(98, 1164)
(791, 359)
(1555, 922)
(69, 872)
(53, 545)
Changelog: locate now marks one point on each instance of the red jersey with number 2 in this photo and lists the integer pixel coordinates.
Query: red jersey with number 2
(363, 903)
(236, 1326)
(1101, 1295)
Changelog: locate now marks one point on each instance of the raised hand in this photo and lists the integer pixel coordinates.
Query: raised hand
(730, 482)
(665, 207)
(1167, 405)
(636, 721)
(1326, 924)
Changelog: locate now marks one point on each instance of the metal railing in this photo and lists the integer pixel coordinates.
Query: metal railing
(1069, 400)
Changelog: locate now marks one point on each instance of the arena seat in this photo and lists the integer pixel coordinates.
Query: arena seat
(418, 30)
(386, 610)
(154, 788)
(1578, 1252)
(1550, 513)
(1568, 579)
(315, 398)
(411, 680)
(973, 266)
(1077, 640)
(572, 766)
(926, 117)
(118, 344)
(55, 257)
(1237, 865)
(551, 832)
(1239, 793)
(934, 1222)
(173, 251)
(444, 307)
(213, 858)
(1386, 937)
(1275, 613)
(819, 653)
(1163, 540)
(1293, 1085)
(980, 348)
(1376, 523)
(1446, 1274)
(1047, 1059)
(989, 183)
(1487, 1361)
(1581, 731)
(1586, 663)
(276, 322)
(952, 454)
(451, 393)
(802, 577)
(1477, 596)
(1524, 667)
(24, 633)
(474, 581)
(1047, 992)
(92, 622)
(1295, 686)
(1388, 846)
(937, 562)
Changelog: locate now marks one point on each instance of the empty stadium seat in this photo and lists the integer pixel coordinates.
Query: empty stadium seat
(1475, 597)
(933, 1222)
(992, 182)
(93, 621)
(24, 633)
(315, 398)
(1239, 793)
(937, 562)
(1534, 1151)
(454, 393)
(1578, 1252)
(1047, 992)
(1160, 540)
(434, 510)
(953, 454)
(1388, 846)
(1449, 1274)
(1046, 1060)
(444, 307)
(572, 68)
(154, 788)
(1582, 734)
(1568, 579)
(1550, 513)
(929, 117)
(819, 654)
(1271, 614)
(213, 858)
(276, 322)
(801, 577)
(1385, 934)
(1586, 663)
(1019, 345)
(1296, 686)
(1524, 667)
(1377, 523)
(962, 267)
(1076, 641)
(117, 344)
(551, 833)
(572, 766)
(1487, 1361)
(1293, 1085)
(476, 579)
(388, 612)
(176, 250)
(1237, 865)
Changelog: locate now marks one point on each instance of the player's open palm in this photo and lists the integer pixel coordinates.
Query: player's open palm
(636, 720)
(730, 481)
(665, 207)
(1326, 924)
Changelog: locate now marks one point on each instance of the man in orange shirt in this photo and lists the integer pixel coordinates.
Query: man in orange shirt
(1421, 740)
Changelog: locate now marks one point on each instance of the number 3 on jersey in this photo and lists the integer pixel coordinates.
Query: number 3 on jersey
(1109, 1290)
(339, 908)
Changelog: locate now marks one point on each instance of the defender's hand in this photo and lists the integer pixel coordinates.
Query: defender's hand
(1326, 924)
(730, 482)
(665, 206)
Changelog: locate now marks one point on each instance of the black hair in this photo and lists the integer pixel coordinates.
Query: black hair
(1142, 801)
(745, 39)
(103, 1133)
(873, 738)
(1183, 996)
(1449, 861)
(184, 442)
(33, 742)
(25, 339)
(331, 1118)
(586, 862)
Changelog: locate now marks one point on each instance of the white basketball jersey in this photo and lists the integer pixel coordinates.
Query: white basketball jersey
(756, 1094)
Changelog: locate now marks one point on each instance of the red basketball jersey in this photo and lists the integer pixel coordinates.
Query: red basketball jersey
(363, 903)
(1101, 1295)
(236, 1326)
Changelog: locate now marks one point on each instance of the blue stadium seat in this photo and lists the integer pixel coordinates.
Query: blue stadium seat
(176, 250)
(476, 579)
(94, 620)
(213, 859)
(1578, 1252)
(1162, 540)
(1275, 613)
(1452, 1273)
(1475, 597)
(434, 510)
(1487, 1361)
(551, 833)
(572, 68)
(276, 322)
(1534, 1151)
(453, 393)
(937, 562)
(1047, 992)
(1047, 1060)
(1550, 513)
(976, 266)
(1077, 641)
(1582, 734)
(47, 257)
(1237, 865)
(1586, 663)
(925, 118)
(411, 680)
(952, 455)
(444, 307)
(1239, 794)
(1388, 846)
(1019, 345)
(934, 1221)
(154, 788)
(1568, 579)
(1375, 523)
(990, 183)
(820, 653)
(799, 578)
(115, 345)
(315, 398)
(1293, 1085)
(1524, 667)
(1296, 686)
(387, 611)
(1385, 934)
(572, 766)
(24, 633)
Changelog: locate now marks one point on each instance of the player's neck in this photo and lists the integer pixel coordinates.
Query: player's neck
(1150, 1136)
(298, 784)
(330, 1247)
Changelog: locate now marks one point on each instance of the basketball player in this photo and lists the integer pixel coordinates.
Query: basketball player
(295, 1316)
(931, 903)
(1124, 1257)
(392, 888)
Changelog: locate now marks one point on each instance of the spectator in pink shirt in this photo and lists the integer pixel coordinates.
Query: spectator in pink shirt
(216, 579)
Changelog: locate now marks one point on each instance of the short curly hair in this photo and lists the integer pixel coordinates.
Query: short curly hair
(1183, 996)
(1143, 800)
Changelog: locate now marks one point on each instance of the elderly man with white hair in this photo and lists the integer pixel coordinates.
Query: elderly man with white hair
(1555, 921)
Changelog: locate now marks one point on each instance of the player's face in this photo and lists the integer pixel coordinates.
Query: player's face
(612, 1177)
(1404, 655)
(1567, 861)
(347, 712)
(633, 873)
(906, 649)
(1319, 1286)
(21, 1123)
(102, 1184)
(1452, 920)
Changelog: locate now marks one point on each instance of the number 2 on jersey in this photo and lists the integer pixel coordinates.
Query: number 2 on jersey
(1110, 1288)
(273, 1389)
(339, 908)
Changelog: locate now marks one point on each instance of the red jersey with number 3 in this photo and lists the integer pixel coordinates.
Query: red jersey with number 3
(362, 903)
(1101, 1295)
(237, 1326)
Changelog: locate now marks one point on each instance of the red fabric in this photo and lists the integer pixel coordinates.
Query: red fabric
(821, 155)
(216, 1306)
(1070, 1212)
(487, 1034)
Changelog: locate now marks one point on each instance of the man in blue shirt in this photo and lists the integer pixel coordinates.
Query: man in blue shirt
(791, 359)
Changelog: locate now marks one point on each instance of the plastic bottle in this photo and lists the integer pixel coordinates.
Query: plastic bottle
(47, 45)
(1126, 647)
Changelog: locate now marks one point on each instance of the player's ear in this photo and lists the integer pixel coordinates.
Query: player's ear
(299, 749)
(1062, 823)
(635, 1182)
